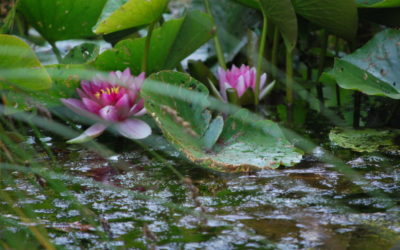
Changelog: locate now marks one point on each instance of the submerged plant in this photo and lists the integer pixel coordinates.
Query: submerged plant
(237, 83)
(112, 101)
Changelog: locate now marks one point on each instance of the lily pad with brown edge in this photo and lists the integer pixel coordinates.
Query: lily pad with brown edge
(366, 140)
(238, 143)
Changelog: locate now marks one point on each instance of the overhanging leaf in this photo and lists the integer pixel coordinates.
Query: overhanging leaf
(169, 44)
(123, 14)
(282, 14)
(243, 144)
(378, 3)
(19, 66)
(374, 68)
(62, 20)
(337, 16)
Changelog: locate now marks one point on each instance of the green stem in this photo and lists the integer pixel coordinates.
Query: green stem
(274, 56)
(357, 109)
(324, 48)
(56, 51)
(338, 102)
(289, 85)
(147, 47)
(260, 58)
(217, 43)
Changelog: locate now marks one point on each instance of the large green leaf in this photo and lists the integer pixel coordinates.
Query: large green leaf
(123, 14)
(169, 44)
(19, 66)
(179, 105)
(378, 3)
(366, 140)
(62, 19)
(282, 14)
(337, 16)
(374, 68)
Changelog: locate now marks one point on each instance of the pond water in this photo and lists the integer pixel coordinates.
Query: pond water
(142, 203)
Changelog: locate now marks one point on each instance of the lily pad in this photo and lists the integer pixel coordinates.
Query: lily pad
(366, 140)
(374, 68)
(19, 66)
(61, 20)
(281, 13)
(339, 17)
(123, 14)
(378, 3)
(169, 44)
(179, 104)
(85, 52)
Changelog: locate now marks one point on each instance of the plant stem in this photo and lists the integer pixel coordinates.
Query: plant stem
(147, 47)
(274, 56)
(338, 102)
(56, 51)
(289, 85)
(321, 64)
(217, 43)
(260, 58)
(357, 109)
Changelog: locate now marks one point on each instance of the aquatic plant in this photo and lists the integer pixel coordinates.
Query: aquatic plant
(240, 80)
(111, 101)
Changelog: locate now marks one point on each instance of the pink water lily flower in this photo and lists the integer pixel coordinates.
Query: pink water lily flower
(111, 101)
(239, 79)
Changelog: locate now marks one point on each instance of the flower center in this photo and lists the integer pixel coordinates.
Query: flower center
(108, 91)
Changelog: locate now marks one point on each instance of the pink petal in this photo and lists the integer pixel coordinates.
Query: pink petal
(240, 88)
(75, 105)
(81, 93)
(263, 78)
(123, 104)
(109, 113)
(90, 133)
(134, 129)
(91, 105)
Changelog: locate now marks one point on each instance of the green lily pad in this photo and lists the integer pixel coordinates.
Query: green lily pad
(374, 68)
(366, 140)
(169, 44)
(339, 17)
(179, 105)
(281, 13)
(378, 3)
(62, 19)
(123, 14)
(19, 66)
(83, 53)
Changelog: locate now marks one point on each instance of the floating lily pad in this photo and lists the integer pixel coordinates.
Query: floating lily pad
(169, 44)
(179, 104)
(82, 53)
(366, 140)
(374, 68)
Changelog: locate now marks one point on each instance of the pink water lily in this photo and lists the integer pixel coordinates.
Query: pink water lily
(240, 79)
(112, 101)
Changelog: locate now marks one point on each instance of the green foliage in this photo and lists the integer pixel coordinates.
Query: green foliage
(123, 14)
(62, 20)
(339, 17)
(372, 69)
(241, 145)
(281, 13)
(169, 44)
(366, 140)
(19, 66)
(378, 3)
(83, 53)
